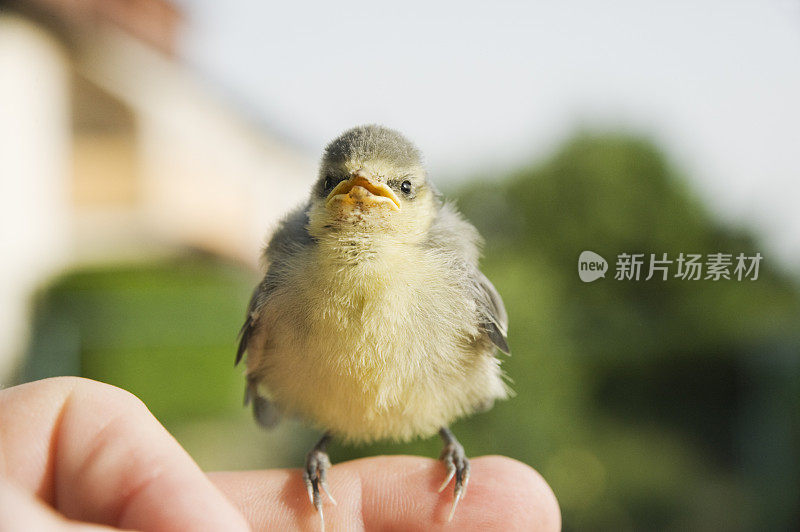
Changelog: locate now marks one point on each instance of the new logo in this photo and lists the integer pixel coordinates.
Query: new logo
(591, 266)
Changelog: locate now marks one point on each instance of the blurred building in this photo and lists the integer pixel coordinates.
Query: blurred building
(111, 149)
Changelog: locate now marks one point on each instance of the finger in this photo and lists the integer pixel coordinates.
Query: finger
(22, 511)
(96, 454)
(398, 493)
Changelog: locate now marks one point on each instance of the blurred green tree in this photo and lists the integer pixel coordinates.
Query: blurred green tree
(649, 406)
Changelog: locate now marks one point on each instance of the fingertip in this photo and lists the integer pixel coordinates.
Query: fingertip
(528, 501)
(503, 494)
(400, 493)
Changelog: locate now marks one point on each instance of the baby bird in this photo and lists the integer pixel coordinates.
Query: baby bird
(373, 320)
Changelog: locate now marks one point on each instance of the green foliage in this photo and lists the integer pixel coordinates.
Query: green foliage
(165, 331)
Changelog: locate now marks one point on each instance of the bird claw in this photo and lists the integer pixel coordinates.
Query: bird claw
(451, 472)
(314, 477)
(324, 485)
(457, 466)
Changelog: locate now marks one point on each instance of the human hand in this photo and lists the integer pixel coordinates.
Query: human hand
(75, 451)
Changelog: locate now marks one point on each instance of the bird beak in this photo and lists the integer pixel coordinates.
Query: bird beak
(360, 188)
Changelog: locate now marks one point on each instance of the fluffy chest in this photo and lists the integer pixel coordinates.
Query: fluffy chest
(387, 307)
(377, 322)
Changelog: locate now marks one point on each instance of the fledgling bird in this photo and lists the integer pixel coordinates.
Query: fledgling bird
(373, 320)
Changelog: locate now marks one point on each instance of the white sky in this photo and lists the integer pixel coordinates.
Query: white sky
(483, 86)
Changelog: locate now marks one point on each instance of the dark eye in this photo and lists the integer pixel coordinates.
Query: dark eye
(405, 186)
(329, 182)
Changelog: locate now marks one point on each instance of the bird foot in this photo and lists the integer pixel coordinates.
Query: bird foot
(315, 476)
(457, 466)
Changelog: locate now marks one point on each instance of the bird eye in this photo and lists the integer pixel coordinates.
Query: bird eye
(405, 186)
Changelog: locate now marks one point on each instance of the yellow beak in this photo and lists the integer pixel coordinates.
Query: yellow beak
(361, 189)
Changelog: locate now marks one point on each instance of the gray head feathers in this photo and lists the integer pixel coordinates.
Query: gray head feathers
(372, 142)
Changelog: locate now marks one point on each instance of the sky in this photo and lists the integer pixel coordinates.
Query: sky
(484, 87)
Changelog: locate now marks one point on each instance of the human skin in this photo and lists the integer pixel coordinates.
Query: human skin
(79, 454)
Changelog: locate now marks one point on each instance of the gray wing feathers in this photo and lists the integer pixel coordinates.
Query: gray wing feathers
(460, 240)
(263, 410)
(244, 338)
(290, 236)
(494, 319)
(246, 332)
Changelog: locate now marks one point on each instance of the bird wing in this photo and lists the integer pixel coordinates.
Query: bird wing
(459, 239)
(493, 316)
(264, 411)
(246, 332)
(290, 236)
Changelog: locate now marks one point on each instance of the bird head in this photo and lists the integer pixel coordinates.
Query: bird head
(372, 179)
